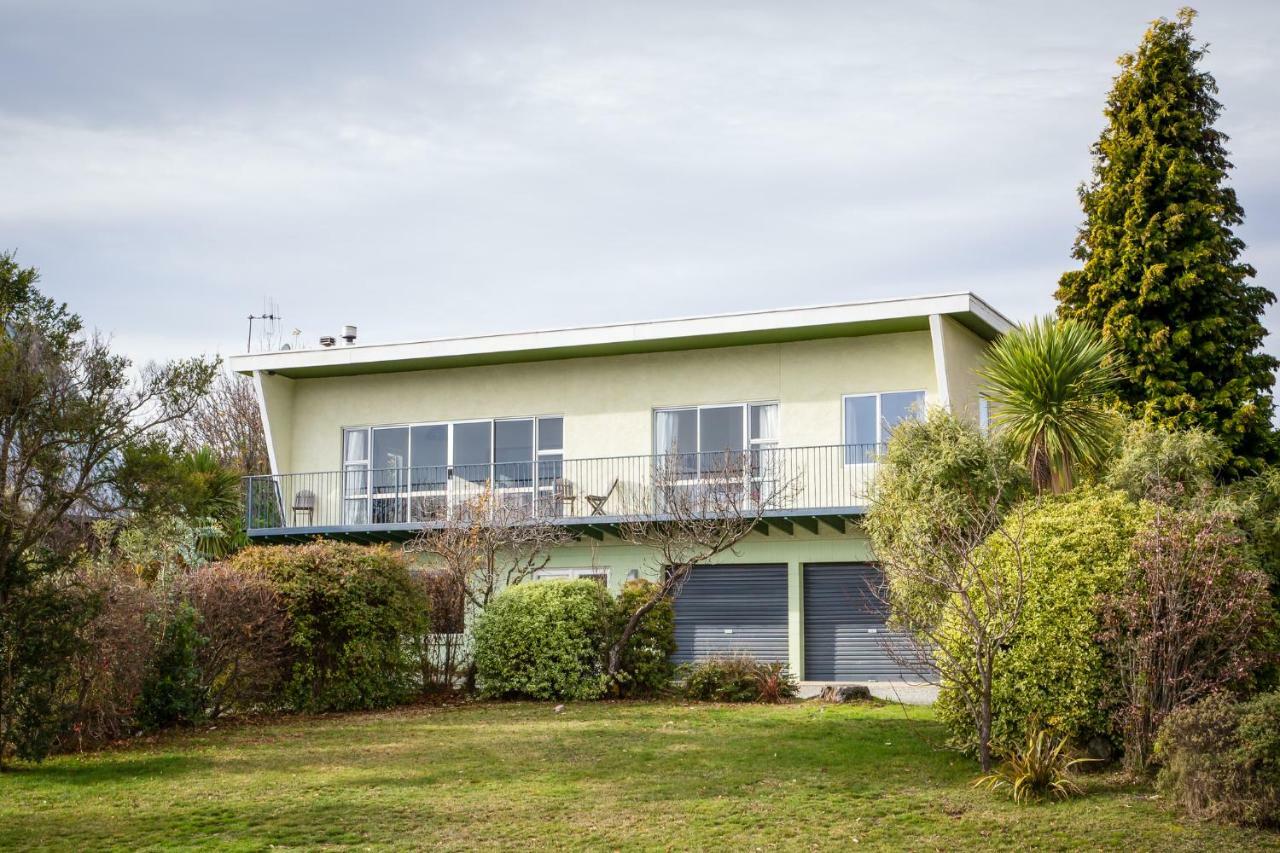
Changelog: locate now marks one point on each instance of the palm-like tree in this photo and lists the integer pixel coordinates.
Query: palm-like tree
(1049, 384)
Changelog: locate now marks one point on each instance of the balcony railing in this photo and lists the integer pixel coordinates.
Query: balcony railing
(823, 480)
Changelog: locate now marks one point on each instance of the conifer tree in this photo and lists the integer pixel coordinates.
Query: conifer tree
(1163, 278)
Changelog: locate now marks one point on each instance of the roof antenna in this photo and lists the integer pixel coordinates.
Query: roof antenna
(270, 316)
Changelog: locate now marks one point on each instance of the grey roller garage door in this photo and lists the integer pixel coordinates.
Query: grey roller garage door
(733, 609)
(844, 630)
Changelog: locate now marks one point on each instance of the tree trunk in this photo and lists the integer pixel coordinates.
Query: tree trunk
(620, 645)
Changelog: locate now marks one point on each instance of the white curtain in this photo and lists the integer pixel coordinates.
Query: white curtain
(356, 446)
(664, 433)
(769, 422)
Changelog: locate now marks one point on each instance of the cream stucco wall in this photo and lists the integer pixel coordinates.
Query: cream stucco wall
(963, 353)
(607, 402)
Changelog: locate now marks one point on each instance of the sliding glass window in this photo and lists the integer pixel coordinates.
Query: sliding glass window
(704, 439)
(869, 420)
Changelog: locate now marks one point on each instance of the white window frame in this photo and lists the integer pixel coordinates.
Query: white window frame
(572, 574)
(751, 443)
(410, 493)
(880, 436)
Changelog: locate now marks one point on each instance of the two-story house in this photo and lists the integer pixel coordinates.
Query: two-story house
(369, 442)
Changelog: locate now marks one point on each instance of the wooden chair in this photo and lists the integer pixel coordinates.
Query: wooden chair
(597, 502)
(304, 501)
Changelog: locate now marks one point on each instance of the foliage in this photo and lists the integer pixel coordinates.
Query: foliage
(943, 491)
(1042, 768)
(646, 667)
(69, 411)
(543, 641)
(1152, 461)
(738, 678)
(1053, 673)
(440, 646)
(1193, 616)
(107, 671)
(244, 657)
(351, 611)
(171, 690)
(1220, 759)
(1048, 383)
(44, 609)
(1162, 276)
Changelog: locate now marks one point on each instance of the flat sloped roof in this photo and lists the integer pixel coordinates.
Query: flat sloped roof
(871, 317)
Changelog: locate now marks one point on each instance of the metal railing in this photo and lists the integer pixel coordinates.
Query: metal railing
(793, 480)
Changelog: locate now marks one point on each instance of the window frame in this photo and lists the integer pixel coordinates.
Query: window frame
(880, 436)
(572, 573)
(748, 442)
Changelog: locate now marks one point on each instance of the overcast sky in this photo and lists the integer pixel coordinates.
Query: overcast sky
(426, 169)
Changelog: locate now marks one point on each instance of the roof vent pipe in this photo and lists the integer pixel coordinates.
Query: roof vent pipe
(349, 334)
(327, 341)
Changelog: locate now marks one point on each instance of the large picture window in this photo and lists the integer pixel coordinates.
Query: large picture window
(395, 474)
(698, 440)
(869, 420)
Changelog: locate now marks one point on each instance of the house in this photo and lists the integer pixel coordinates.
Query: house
(369, 442)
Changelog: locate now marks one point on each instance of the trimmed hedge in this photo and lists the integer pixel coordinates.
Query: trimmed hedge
(1221, 759)
(1054, 674)
(352, 610)
(544, 641)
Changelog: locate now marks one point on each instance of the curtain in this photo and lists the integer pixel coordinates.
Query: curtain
(355, 448)
(768, 422)
(664, 433)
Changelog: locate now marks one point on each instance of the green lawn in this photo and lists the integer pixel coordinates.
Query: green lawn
(601, 775)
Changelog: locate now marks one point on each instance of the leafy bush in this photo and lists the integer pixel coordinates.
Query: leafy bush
(1053, 673)
(1150, 460)
(244, 660)
(738, 678)
(646, 661)
(544, 641)
(171, 691)
(1221, 759)
(1043, 768)
(351, 612)
(441, 647)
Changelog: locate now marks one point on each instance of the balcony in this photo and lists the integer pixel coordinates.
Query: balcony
(809, 487)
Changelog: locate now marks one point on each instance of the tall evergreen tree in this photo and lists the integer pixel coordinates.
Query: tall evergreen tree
(1162, 274)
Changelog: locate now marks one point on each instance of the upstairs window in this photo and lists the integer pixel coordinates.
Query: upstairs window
(700, 438)
(869, 420)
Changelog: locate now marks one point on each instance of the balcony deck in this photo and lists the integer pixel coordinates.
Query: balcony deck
(813, 488)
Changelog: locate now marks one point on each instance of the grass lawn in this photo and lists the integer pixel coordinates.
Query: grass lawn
(600, 775)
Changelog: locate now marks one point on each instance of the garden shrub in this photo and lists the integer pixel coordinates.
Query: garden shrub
(1054, 674)
(1221, 759)
(104, 685)
(351, 610)
(441, 647)
(171, 691)
(245, 658)
(543, 641)
(737, 678)
(646, 661)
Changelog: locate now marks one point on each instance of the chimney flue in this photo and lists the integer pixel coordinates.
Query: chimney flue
(349, 334)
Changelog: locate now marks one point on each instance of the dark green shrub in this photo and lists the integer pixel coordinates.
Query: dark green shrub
(544, 641)
(172, 691)
(352, 611)
(1054, 674)
(646, 661)
(737, 678)
(1221, 759)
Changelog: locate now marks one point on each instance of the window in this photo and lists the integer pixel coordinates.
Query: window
(702, 438)
(395, 474)
(984, 414)
(599, 574)
(869, 420)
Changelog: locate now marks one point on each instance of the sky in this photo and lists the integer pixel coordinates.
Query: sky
(427, 169)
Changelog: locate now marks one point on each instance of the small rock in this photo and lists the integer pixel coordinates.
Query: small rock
(559, 709)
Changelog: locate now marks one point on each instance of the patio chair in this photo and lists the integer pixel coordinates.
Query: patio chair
(304, 501)
(597, 502)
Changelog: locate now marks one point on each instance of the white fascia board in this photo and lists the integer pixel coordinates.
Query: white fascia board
(686, 327)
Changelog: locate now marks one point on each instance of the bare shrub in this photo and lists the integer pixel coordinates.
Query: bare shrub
(245, 662)
(107, 672)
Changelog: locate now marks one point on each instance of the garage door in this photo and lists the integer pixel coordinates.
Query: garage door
(733, 609)
(844, 630)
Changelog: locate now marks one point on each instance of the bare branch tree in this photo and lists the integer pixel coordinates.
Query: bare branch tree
(227, 421)
(490, 541)
(690, 513)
